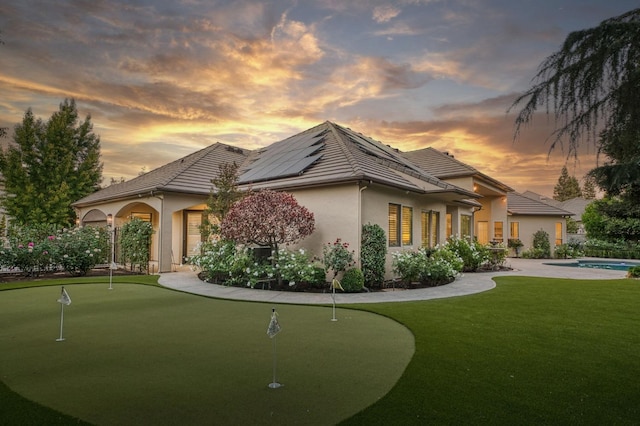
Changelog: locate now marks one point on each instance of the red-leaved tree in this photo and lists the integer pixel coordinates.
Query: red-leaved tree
(267, 218)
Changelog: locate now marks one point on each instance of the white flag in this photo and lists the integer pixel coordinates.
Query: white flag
(274, 326)
(64, 298)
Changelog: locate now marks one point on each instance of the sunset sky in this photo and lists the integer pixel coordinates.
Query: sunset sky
(164, 78)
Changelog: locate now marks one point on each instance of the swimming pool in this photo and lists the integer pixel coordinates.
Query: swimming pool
(599, 264)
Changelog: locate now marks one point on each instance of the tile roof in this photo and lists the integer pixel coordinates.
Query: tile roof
(190, 174)
(519, 204)
(445, 166)
(348, 156)
(338, 155)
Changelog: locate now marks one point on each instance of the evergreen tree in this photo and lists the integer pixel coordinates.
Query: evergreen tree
(589, 189)
(567, 187)
(49, 166)
(224, 193)
(593, 82)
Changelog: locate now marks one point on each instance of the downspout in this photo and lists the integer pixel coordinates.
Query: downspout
(359, 242)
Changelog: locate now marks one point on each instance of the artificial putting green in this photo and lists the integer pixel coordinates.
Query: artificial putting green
(146, 355)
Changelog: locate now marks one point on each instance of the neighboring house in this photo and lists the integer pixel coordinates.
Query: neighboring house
(528, 214)
(345, 178)
(489, 220)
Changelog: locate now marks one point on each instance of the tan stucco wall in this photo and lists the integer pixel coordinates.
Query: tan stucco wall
(335, 210)
(529, 225)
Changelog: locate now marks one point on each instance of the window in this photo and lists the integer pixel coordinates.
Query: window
(435, 226)
(400, 225)
(145, 217)
(407, 226)
(465, 226)
(449, 225)
(558, 233)
(394, 225)
(498, 232)
(430, 225)
(515, 230)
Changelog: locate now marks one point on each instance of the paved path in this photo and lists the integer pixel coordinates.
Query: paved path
(470, 283)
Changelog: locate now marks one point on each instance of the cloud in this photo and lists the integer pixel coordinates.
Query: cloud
(385, 13)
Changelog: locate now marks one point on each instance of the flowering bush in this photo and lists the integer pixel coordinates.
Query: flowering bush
(409, 264)
(215, 259)
(429, 267)
(296, 268)
(135, 242)
(33, 250)
(473, 254)
(223, 261)
(337, 256)
(80, 249)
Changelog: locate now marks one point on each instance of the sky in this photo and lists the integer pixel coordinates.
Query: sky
(162, 79)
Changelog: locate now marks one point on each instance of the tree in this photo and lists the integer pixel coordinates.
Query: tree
(50, 165)
(224, 193)
(567, 187)
(267, 218)
(591, 80)
(589, 188)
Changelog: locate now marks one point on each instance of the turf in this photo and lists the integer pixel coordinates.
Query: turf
(147, 355)
(532, 351)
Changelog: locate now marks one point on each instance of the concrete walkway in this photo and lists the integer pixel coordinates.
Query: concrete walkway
(469, 283)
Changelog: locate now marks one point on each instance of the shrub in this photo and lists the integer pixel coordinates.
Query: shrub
(215, 259)
(409, 265)
(353, 280)
(297, 270)
(337, 257)
(634, 272)
(541, 245)
(567, 251)
(373, 254)
(427, 266)
(36, 249)
(80, 249)
(135, 240)
(473, 254)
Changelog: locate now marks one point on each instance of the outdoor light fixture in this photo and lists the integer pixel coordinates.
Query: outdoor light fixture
(109, 220)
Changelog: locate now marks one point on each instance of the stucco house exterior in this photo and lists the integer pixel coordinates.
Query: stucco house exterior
(528, 214)
(345, 178)
(488, 221)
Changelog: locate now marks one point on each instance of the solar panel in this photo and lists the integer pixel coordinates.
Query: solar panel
(289, 157)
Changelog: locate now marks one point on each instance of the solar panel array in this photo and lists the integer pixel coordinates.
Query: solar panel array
(289, 157)
(380, 150)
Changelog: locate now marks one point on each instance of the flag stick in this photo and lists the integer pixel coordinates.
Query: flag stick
(333, 295)
(274, 384)
(272, 331)
(60, 339)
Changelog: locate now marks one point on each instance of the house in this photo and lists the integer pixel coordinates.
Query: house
(528, 214)
(345, 178)
(487, 222)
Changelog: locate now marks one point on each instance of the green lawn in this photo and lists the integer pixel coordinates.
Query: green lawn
(147, 355)
(531, 351)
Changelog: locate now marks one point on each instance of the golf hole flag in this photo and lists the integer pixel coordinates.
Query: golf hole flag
(64, 298)
(274, 325)
(335, 285)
